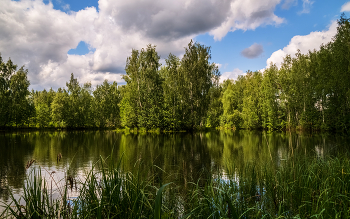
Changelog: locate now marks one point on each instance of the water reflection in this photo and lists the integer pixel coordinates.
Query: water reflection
(179, 157)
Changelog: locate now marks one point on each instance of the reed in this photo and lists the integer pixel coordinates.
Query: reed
(302, 188)
(106, 192)
(36, 201)
(299, 187)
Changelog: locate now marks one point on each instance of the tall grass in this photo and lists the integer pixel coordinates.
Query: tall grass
(37, 201)
(296, 188)
(302, 188)
(106, 192)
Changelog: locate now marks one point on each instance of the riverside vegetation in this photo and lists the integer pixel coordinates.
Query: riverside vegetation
(309, 91)
(299, 187)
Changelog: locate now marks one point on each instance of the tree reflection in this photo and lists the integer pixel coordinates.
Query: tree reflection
(169, 157)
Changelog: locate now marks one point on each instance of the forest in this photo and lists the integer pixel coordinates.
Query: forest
(307, 92)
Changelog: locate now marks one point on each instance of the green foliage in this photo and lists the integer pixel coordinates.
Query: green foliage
(173, 97)
(105, 104)
(143, 94)
(197, 76)
(251, 109)
(309, 91)
(59, 112)
(15, 107)
(271, 103)
(172, 109)
(42, 115)
(215, 108)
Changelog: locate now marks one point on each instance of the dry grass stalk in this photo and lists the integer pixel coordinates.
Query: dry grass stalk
(29, 163)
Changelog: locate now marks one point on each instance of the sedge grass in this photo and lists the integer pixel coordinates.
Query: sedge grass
(306, 188)
(297, 188)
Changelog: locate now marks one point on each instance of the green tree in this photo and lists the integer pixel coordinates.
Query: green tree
(339, 97)
(79, 113)
(106, 100)
(232, 102)
(59, 108)
(43, 101)
(6, 71)
(251, 109)
(272, 116)
(143, 94)
(42, 115)
(198, 75)
(215, 108)
(171, 88)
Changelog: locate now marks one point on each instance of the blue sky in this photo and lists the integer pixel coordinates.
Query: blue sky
(93, 38)
(272, 38)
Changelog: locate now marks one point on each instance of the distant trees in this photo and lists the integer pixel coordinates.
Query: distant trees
(80, 106)
(197, 77)
(76, 107)
(15, 107)
(175, 96)
(308, 91)
(105, 105)
(143, 94)
(59, 108)
(187, 86)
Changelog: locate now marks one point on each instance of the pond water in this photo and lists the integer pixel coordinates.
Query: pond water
(183, 157)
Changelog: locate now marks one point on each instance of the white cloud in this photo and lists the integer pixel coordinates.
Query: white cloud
(248, 14)
(37, 35)
(231, 75)
(345, 7)
(306, 6)
(304, 43)
(55, 74)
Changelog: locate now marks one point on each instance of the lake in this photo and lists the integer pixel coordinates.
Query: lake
(180, 157)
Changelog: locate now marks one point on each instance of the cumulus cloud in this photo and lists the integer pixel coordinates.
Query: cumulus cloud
(167, 19)
(304, 43)
(35, 34)
(231, 75)
(253, 51)
(247, 14)
(345, 7)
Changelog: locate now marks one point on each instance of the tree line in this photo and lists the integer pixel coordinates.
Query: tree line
(174, 96)
(308, 91)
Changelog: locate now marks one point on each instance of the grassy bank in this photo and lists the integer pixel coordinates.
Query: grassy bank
(295, 188)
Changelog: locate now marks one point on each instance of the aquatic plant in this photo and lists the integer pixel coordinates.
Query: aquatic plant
(299, 187)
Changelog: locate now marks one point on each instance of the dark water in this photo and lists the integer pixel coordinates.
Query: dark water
(180, 156)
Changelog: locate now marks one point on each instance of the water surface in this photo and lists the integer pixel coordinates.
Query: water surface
(181, 157)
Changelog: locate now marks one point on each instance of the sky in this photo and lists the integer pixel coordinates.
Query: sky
(93, 39)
